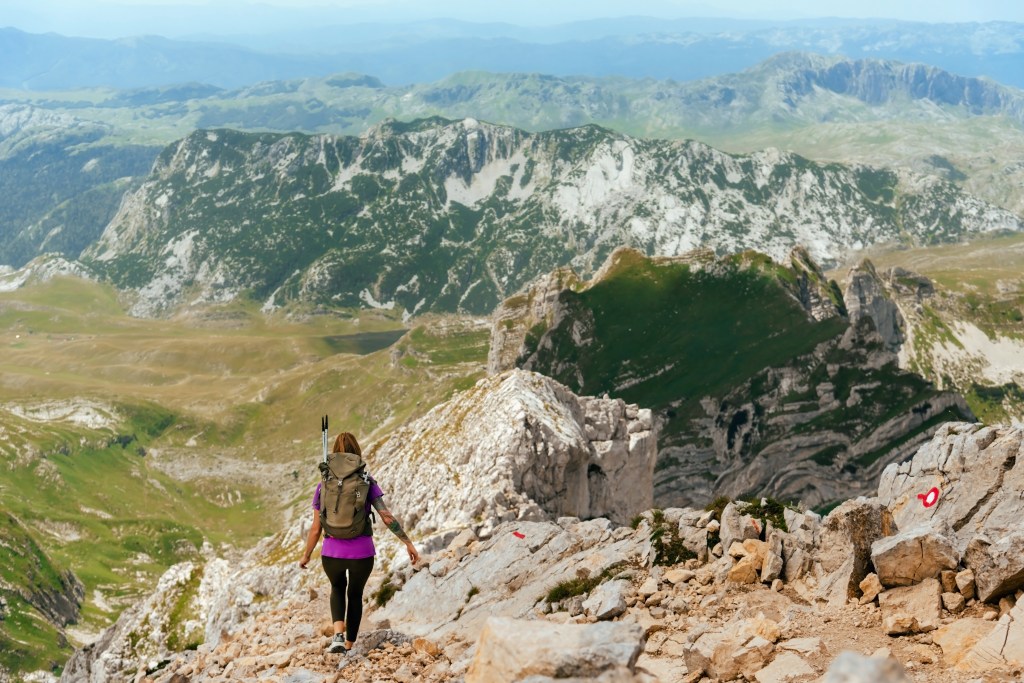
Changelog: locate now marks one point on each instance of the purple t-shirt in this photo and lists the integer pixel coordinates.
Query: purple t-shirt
(357, 548)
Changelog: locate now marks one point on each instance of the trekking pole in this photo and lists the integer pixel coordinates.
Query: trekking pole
(323, 431)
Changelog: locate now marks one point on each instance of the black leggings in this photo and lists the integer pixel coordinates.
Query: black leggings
(358, 574)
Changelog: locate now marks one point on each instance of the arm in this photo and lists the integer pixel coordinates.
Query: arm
(395, 526)
(311, 539)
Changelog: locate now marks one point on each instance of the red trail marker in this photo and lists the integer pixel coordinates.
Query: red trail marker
(931, 498)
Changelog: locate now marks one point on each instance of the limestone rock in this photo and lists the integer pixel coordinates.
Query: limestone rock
(679, 576)
(772, 566)
(844, 553)
(851, 667)
(979, 473)
(911, 556)
(965, 583)
(736, 527)
(953, 602)
(744, 571)
(512, 650)
(1001, 647)
(728, 654)
(514, 447)
(870, 587)
(785, 668)
(998, 565)
(957, 639)
(911, 609)
(512, 575)
(804, 646)
(608, 600)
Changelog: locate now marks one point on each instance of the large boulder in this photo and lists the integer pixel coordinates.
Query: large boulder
(912, 609)
(912, 556)
(998, 565)
(978, 473)
(844, 552)
(516, 650)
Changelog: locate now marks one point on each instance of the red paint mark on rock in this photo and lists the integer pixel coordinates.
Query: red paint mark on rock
(931, 498)
(518, 535)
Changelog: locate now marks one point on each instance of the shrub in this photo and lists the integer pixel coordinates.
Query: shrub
(580, 585)
(668, 546)
(384, 594)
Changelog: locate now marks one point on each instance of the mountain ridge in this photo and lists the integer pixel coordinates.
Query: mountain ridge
(441, 215)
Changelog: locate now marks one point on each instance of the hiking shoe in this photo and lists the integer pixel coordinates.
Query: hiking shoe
(337, 644)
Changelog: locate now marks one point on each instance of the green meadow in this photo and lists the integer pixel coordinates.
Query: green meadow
(128, 444)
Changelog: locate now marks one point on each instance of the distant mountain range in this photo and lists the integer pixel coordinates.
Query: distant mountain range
(427, 51)
(438, 215)
(67, 159)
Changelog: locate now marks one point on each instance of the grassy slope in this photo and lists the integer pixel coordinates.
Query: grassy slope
(693, 334)
(981, 283)
(202, 397)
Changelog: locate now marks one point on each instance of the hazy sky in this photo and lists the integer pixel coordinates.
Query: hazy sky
(115, 18)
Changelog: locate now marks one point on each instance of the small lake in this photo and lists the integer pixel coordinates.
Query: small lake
(363, 343)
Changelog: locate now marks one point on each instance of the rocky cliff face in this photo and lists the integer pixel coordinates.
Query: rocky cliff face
(518, 446)
(445, 216)
(963, 339)
(812, 414)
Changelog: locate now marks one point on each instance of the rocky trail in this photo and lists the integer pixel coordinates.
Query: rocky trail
(908, 586)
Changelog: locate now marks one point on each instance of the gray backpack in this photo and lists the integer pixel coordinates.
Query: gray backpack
(344, 491)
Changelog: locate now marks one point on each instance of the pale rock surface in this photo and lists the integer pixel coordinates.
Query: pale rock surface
(911, 556)
(997, 563)
(979, 472)
(518, 446)
(911, 609)
(844, 552)
(870, 587)
(953, 603)
(965, 583)
(515, 650)
(957, 638)
(850, 667)
(787, 667)
(608, 600)
(512, 575)
(1001, 647)
(138, 635)
(736, 527)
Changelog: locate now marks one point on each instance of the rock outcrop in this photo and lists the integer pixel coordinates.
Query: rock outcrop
(518, 446)
(969, 479)
(867, 298)
(815, 423)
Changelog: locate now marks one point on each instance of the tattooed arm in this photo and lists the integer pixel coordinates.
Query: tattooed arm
(395, 526)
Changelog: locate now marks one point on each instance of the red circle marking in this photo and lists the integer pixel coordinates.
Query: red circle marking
(931, 498)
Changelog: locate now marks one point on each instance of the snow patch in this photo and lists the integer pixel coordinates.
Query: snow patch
(368, 299)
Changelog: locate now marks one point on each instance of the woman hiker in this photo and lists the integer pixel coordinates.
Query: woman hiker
(349, 561)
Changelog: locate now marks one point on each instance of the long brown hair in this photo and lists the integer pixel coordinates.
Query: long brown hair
(346, 443)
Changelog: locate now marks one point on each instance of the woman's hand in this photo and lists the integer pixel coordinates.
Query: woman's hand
(305, 560)
(414, 556)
